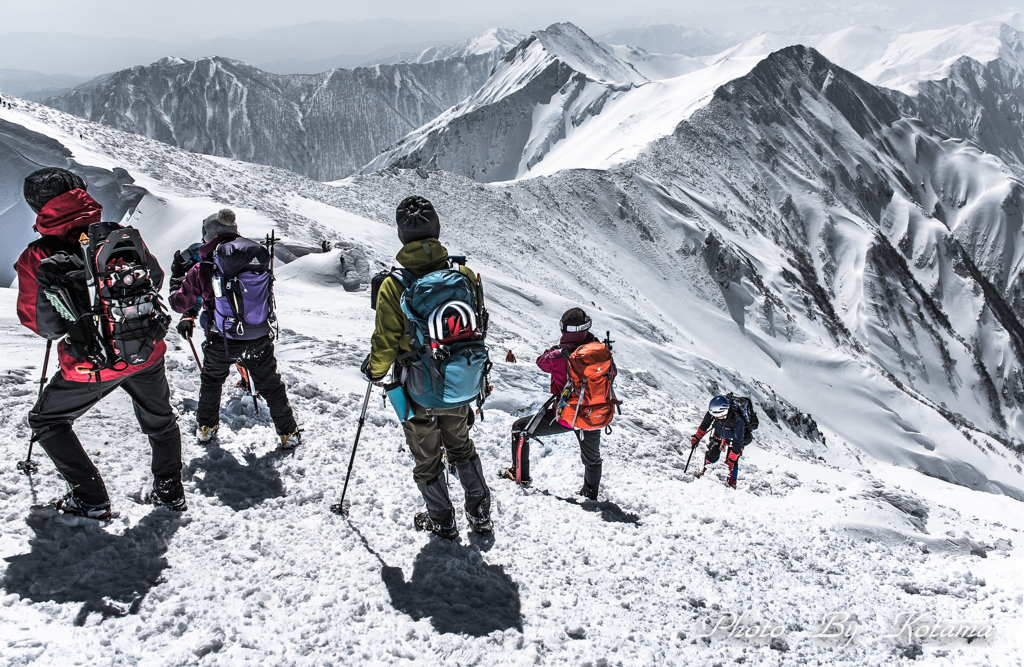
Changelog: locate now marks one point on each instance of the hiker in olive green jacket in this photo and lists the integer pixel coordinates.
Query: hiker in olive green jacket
(429, 430)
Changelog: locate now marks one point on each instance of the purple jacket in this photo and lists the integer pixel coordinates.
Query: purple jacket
(199, 281)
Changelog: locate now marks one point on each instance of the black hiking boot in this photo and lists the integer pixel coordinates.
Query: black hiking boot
(422, 521)
(587, 492)
(480, 525)
(71, 504)
(168, 492)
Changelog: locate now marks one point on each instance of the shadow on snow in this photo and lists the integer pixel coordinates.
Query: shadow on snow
(453, 587)
(237, 486)
(76, 560)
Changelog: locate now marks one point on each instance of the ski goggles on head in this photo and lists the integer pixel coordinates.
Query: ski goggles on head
(573, 328)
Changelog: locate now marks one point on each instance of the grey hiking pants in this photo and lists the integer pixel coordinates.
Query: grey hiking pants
(427, 432)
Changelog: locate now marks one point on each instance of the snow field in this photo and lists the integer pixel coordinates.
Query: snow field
(259, 572)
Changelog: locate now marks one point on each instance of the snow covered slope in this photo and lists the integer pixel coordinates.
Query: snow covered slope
(257, 572)
(323, 125)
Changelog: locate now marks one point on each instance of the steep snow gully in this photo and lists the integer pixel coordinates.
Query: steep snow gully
(839, 320)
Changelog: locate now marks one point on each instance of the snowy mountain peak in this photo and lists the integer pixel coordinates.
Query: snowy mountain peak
(550, 83)
(567, 43)
(167, 61)
(495, 40)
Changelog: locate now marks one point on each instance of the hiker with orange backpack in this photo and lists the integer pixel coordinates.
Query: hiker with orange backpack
(582, 401)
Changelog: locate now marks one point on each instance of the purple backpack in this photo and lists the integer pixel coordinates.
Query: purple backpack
(243, 305)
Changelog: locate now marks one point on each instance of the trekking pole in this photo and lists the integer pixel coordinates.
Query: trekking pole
(339, 507)
(195, 354)
(28, 466)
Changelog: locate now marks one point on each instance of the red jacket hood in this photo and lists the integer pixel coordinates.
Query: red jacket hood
(68, 213)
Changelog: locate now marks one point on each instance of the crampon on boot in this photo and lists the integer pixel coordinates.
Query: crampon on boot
(510, 473)
(291, 440)
(422, 521)
(71, 504)
(206, 434)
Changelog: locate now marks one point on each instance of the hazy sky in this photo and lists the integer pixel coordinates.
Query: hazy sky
(179, 19)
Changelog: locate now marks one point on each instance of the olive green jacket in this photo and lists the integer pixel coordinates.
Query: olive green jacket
(389, 339)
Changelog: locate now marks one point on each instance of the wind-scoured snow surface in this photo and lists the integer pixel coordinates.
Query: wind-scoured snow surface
(259, 572)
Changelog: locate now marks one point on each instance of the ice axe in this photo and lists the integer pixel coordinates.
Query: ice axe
(692, 449)
(339, 507)
(28, 466)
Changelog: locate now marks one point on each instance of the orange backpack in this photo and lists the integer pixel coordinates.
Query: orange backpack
(588, 401)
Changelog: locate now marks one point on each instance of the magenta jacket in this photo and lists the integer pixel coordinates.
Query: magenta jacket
(555, 361)
(199, 281)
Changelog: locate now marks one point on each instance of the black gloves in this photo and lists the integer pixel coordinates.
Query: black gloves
(186, 326)
(365, 369)
(179, 265)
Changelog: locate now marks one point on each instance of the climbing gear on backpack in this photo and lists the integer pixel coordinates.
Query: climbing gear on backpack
(446, 321)
(588, 400)
(746, 408)
(120, 319)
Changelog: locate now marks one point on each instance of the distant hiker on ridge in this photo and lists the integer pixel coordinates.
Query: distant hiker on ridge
(570, 409)
(451, 348)
(233, 285)
(126, 348)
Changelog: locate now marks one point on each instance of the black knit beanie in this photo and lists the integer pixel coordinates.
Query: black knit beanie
(417, 220)
(44, 184)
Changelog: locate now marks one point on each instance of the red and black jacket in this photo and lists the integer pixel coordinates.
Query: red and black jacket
(60, 224)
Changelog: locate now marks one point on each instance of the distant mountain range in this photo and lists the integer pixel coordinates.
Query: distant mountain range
(324, 126)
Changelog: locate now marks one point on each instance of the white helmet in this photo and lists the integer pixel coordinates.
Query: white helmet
(719, 407)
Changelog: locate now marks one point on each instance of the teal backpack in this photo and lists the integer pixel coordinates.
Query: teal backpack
(446, 322)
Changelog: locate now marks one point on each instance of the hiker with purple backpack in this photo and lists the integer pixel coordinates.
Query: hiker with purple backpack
(233, 285)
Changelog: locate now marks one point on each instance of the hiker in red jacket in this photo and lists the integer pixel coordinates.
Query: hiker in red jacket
(64, 212)
(575, 325)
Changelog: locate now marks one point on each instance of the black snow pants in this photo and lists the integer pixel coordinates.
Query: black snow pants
(590, 446)
(64, 401)
(257, 357)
